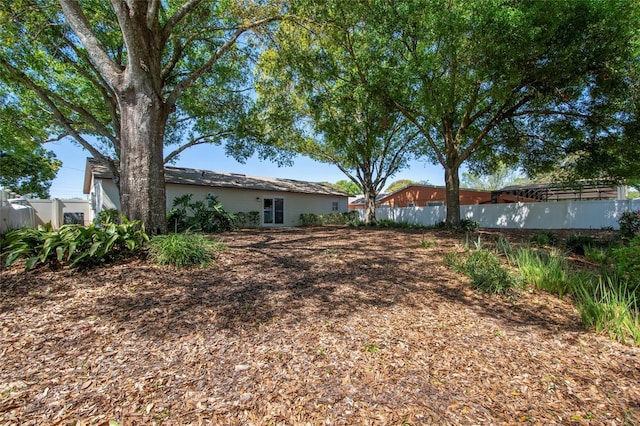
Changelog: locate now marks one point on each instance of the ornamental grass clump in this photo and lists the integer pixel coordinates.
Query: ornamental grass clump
(485, 270)
(609, 306)
(544, 270)
(182, 250)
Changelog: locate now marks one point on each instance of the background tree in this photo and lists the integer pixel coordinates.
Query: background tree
(502, 176)
(314, 93)
(402, 183)
(25, 166)
(124, 78)
(483, 81)
(344, 185)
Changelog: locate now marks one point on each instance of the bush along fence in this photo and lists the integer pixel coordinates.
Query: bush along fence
(598, 214)
(312, 219)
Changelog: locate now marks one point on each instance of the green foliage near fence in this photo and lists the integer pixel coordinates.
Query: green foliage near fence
(312, 219)
(629, 224)
(607, 298)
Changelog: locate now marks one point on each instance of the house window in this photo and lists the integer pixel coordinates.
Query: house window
(334, 206)
(435, 203)
(273, 211)
(410, 205)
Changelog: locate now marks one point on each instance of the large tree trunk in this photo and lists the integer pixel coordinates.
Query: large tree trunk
(452, 182)
(142, 183)
(370, 206)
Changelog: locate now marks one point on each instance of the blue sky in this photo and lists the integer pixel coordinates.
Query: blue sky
(70, 178)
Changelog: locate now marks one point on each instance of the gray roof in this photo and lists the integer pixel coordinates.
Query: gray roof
(185, 176)
(360, 198)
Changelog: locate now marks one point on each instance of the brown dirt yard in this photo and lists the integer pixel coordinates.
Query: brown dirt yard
(303, 326)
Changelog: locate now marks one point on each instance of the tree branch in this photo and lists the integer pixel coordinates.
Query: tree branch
(177, 17)
(191, 79)
(60, 117)
(100, 83)
(496, 120)
(197, 141)
(80, 25)
(412, 118)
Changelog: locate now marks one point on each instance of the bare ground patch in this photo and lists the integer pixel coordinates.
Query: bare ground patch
(302, 326)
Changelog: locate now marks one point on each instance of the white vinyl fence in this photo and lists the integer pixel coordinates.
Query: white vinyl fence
(595, 214)
(14, 215)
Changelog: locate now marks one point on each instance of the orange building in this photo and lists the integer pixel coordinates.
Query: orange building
(424, 195)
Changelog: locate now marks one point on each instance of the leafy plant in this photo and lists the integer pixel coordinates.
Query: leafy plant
(626, 263)
(74, 245)
(597, 255)
(371, 348)
(108, 216)
(313, 219)
(206, 216)
(182, 250)
(543, 238)
(629, 223)
(576, 243)
(468, 225)
(250, 219)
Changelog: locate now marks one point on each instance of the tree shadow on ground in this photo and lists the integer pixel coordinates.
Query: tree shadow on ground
(283, 276)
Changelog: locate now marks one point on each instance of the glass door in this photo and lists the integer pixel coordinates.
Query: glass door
(273, 211)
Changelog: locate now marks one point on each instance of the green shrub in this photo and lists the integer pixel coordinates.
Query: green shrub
(598, 255)
(74, 245)
(312, 219)
(504, 246)
(182, 250)
(543, 238)
(626, 263)
(486, 272)
(250, 219)
(629, 223)
(468, 225)
(206, 216)
(576, 243)
(108, 216)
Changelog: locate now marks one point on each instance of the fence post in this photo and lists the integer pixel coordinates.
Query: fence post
(55, 213)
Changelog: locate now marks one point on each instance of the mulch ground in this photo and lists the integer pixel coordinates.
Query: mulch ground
(318, 326)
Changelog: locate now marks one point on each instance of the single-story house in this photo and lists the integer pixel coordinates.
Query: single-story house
(424, 195)
(279, 202)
